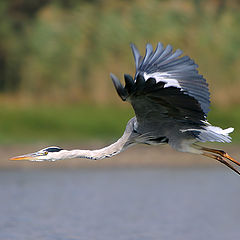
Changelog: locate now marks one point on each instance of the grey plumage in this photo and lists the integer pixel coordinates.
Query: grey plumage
(170, 98)
(183, 69)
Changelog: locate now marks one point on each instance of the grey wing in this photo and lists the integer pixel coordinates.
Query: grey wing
(166, 89)
(153, 103)
(167, 66)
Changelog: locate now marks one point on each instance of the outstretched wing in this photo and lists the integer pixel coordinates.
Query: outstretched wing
(167, 66)
(165, 86)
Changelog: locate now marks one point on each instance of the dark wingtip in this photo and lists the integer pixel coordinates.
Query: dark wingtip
(119, 87)
(129, 82)
(140, 83)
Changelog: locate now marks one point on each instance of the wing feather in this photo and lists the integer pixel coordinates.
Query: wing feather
(157, 53)
(136, 55)
(168, 65)
(166, 87)
(148, 54)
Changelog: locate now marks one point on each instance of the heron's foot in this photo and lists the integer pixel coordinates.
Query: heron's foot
(219, 155)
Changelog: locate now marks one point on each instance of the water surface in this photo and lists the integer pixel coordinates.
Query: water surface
(120, 204)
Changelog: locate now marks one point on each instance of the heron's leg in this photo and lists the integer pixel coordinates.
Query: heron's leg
(221, 153)
(220, 159)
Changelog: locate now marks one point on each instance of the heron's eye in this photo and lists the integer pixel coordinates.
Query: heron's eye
(45, 153)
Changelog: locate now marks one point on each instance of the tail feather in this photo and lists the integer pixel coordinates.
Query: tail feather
(214, 134)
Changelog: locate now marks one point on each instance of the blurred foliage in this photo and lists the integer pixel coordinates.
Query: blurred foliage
(64, 50)
(64, 123)
(53, 125)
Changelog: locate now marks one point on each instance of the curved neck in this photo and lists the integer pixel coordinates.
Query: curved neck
(105, 152)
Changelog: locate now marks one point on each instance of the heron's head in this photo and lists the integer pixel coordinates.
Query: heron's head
(46, 154)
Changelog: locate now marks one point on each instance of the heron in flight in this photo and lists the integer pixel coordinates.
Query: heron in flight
(171, 102)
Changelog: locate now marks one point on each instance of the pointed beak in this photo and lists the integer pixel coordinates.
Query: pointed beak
(27, 157)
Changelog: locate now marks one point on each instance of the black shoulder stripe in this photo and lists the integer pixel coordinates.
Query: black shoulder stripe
(53, 149)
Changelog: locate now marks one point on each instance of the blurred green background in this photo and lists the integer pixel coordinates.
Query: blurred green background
(56, 56)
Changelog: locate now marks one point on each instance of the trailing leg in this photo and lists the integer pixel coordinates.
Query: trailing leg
(220, 159)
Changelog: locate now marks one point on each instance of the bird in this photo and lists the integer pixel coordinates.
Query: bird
(171, 101)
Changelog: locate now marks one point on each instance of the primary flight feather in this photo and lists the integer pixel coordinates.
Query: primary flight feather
(171, 102)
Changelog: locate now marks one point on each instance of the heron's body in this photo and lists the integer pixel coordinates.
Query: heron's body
(171, 102)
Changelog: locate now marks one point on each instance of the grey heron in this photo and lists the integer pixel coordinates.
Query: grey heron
(171, 102)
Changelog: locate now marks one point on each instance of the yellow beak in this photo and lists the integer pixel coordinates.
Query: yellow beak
(27, 157)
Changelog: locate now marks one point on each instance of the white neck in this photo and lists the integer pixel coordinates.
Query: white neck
(105, 152)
